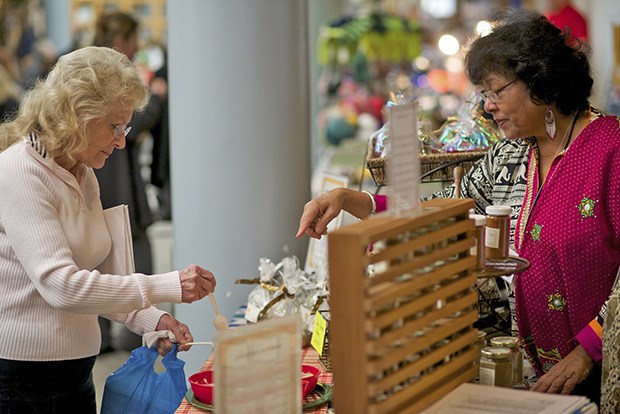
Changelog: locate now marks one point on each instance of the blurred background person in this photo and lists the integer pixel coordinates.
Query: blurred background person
(160, 132)
(120, 179)
(562, 14)
(9, 95)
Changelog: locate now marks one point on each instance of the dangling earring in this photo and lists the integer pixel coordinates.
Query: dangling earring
(550, 123)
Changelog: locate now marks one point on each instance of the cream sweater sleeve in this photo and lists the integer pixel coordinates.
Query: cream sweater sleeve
(56, 231)
(52, 234)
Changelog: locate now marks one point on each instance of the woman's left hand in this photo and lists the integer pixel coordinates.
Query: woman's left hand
(181, 333)
(566, 374)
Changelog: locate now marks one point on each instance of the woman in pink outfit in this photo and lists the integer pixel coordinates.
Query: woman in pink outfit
(559, 170)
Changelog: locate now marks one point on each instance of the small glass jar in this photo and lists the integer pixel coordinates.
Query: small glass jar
(497, 234)
(478, 249)
(480, 343)
(512, 343)
(496, 367)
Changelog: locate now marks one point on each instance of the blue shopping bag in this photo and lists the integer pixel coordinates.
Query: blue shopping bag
(135, 388)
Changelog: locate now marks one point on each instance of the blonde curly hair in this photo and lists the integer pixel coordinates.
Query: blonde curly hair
(83, 86)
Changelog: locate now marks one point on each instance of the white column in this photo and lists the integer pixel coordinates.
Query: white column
(320, 12)
(601, 16)
(58, 24)
(239, 110)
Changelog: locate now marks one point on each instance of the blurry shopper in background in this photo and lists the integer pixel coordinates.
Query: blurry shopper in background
(9, 95)
(54, 237)
(25, 51)
(8, 60)
(562, 14)
(120, 179)
(160, 165)
(557, 170)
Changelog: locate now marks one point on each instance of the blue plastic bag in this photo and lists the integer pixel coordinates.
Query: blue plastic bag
(135, 388)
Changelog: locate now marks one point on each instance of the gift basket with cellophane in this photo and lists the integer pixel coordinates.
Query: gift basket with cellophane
(283, 289)
(462, 139)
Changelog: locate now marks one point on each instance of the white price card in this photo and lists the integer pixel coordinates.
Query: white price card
(403, 167)
(258, 368)
(317, 249)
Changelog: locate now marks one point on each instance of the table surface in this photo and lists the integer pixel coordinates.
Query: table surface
(308, 357)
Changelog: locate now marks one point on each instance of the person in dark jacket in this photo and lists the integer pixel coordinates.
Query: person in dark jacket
(121, 180)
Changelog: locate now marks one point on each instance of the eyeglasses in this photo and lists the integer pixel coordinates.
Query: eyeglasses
(120, 129)
(493, 94)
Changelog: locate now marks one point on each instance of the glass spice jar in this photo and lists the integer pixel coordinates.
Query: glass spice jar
(480, 343)
(478, 249)
(512, 343)
(497, 234)
(496, 367)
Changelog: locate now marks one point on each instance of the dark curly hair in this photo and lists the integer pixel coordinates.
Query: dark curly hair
(526, 45)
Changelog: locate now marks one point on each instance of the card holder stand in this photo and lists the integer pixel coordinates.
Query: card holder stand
(402, 308)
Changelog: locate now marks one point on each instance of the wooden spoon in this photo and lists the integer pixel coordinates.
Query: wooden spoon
(458, 176)
(219, 321)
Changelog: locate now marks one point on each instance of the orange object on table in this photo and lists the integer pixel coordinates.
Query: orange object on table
(308, 357)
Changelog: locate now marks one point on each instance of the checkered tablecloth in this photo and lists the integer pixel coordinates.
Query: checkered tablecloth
(308, 357)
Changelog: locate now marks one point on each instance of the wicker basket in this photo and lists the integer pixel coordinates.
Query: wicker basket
(433, 167)
(377, 169)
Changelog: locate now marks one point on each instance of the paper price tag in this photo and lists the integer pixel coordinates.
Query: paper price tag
(307, 317)
(257, 367)
(318, 333)
(251, 313)
(317, 249)
(404, 161)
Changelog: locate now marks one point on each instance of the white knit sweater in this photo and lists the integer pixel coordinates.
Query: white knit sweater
(52, 237)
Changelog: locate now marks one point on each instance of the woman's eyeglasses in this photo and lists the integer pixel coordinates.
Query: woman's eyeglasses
(120, 130)
(493, 94)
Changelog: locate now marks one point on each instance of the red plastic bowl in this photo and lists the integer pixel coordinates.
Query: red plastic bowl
(309, 378)
(202, 386)
(202, 383)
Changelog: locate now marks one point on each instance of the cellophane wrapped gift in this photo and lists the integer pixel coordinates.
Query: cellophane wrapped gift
(429, 143)
(268, 282)
(469, 130)
(283, 289)
(312, 297)
(378, 147)
(284, 302)
(379, 142)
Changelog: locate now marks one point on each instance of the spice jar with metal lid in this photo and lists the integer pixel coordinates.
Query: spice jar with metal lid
(478, 249)
(496, 367)
(512, 343)
(497, 234)
(479, 344)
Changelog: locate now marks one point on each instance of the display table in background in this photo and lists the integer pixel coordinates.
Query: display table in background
(308, 357)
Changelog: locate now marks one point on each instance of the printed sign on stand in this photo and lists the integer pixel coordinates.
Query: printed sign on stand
(258, 367)
(404, 162)
(317, 249)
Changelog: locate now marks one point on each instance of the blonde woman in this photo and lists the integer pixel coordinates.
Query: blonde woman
(53, 236)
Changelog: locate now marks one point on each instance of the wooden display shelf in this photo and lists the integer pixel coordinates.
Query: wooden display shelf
(401, 312)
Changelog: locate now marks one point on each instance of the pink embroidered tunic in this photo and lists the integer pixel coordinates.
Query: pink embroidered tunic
(570, 232)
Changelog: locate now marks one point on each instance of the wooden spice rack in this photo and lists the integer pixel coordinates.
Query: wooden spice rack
(402, 311)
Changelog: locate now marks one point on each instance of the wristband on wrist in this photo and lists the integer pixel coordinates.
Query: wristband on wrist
(372, 200)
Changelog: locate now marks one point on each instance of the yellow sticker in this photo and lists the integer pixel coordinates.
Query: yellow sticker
(318, 334)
